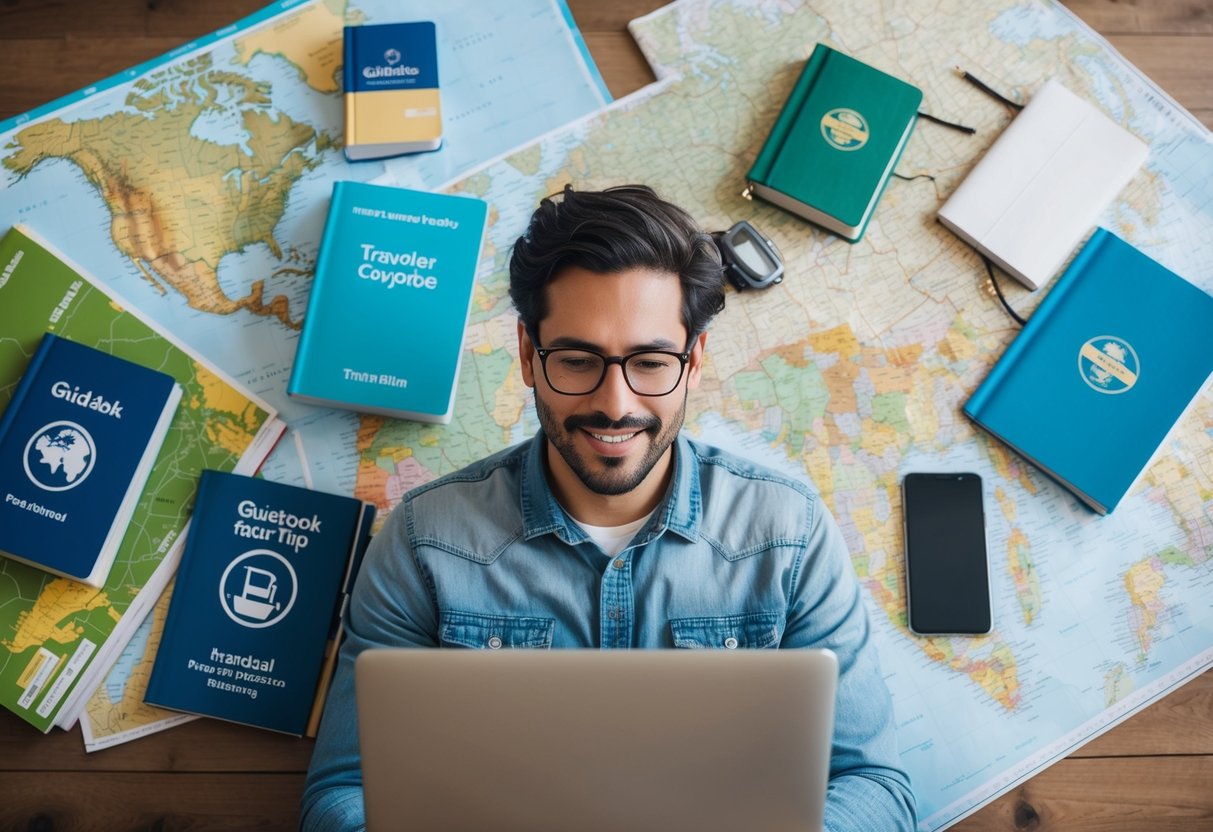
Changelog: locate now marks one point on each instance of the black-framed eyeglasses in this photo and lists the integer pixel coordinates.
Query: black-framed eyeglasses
(578, 372)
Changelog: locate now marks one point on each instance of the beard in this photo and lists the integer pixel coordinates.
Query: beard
(610, 476)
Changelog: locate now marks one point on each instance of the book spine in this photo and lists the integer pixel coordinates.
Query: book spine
(362, 538)
(26, 383)
(349, 69)
(771, 148)
(332, 224)
(1023, 341)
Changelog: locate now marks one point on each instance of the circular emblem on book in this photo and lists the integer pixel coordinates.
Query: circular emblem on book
(258, 588)
(844, 129)
(1108, 364)
(59, 456)
(392, 56)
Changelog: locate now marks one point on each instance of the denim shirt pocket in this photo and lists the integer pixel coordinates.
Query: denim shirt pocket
(493, 632)
(748, 631)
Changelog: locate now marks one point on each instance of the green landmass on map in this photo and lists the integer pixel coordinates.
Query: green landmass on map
(214, 426)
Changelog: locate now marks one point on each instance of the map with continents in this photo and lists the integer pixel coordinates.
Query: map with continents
(196, 186)
(853, 370)
(849, 373)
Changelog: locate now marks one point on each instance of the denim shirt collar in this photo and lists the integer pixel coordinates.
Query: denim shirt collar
(680, 512)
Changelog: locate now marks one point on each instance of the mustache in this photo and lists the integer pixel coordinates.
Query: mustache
(600, 421)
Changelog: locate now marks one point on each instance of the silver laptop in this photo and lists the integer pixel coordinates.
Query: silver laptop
(595, 741)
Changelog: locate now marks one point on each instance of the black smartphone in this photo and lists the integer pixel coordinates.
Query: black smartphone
(947, 568)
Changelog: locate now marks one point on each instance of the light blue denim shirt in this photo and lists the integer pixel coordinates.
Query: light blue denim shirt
(736, 557)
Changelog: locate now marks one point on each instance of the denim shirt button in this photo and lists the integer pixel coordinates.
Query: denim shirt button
(620, 563)
(494, 642)
(730, 643)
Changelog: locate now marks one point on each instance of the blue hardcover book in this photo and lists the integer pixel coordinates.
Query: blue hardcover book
(1102, 372)
(259, 594)
(77, 443)
(389, 303)
(390, 82)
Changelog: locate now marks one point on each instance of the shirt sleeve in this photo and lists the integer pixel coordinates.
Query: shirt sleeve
(390, 606)
(868, 787)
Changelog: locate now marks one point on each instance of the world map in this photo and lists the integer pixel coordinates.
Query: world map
(850, 373)
(197, 187)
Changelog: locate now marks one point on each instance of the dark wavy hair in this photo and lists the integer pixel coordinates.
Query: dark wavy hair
(611, 231)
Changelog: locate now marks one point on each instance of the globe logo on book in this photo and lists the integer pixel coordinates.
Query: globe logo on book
(258, 589)
(59, 456)
(1108, 364)
(844, 129)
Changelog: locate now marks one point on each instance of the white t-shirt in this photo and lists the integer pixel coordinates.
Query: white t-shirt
(613, 539)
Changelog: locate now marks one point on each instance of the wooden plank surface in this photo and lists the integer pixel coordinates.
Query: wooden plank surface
(1153, 772)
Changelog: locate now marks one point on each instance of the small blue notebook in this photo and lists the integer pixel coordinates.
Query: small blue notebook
(1102, 372)
(393, 103)
(77, 443)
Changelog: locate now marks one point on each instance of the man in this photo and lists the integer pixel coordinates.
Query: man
(610, 528)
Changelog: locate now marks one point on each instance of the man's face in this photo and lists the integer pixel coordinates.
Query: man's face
(611, 441)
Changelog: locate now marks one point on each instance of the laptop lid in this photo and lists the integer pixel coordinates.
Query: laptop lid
(595, 741)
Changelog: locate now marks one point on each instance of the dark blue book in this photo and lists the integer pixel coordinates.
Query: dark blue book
(256, 608)
(1104, 369)
(77, 443)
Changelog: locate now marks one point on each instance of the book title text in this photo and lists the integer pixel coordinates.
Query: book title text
(280, 526)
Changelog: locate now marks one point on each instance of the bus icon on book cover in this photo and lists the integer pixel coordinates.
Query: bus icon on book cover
(258, 588)
(59, 456)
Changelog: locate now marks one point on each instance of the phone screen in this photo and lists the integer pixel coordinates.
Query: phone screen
(947, 571)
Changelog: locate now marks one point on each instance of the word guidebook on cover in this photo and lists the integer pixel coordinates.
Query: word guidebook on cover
(383, 332)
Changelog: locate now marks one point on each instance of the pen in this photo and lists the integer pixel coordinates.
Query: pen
(977, 82)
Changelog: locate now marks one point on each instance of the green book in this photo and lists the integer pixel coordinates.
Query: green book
(835, 143)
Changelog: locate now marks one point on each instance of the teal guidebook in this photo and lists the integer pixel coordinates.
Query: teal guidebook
(383, 332)
(255, 614)
(1104, 369)
(77, 443)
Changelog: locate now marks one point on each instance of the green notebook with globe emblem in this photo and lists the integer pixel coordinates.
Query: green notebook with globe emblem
(835, 143)
(1106, 366)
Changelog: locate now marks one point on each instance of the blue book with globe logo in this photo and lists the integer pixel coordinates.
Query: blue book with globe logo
(254, 621)
(1102, 372)
(77, 443)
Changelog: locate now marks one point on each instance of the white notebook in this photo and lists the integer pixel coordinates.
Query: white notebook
(1041, 186)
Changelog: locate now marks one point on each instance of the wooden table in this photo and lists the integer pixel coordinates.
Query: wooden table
(1153, 772)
